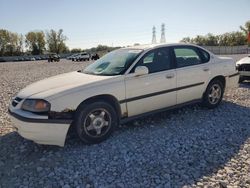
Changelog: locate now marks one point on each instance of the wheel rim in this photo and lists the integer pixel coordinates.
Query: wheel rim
(97, 123)
(214, 94)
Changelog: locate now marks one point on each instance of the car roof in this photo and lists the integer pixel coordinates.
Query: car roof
(152, 46)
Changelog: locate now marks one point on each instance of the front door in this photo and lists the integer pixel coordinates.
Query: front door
(154, 90)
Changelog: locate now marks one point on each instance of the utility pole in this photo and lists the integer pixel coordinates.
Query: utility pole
(154, 36)
(163, 38)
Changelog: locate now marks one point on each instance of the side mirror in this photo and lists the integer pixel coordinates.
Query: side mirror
(141, 70)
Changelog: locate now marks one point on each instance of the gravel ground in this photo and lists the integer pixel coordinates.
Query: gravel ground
(188, 147)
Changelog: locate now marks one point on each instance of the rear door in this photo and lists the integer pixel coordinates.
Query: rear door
(192, 73)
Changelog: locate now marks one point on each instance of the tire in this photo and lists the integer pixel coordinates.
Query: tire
(95, 122)
(213, 94)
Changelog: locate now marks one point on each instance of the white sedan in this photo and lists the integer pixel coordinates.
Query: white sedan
(124, 84)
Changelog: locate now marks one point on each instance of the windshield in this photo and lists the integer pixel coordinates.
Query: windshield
(113, 63)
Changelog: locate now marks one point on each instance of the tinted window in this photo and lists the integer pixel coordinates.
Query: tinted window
(186, 56)
(156, 60)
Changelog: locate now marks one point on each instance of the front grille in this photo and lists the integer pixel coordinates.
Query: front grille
(244, 67)
(16, 100)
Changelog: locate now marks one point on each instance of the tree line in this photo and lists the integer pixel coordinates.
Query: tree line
(100, 50)
(235, 38)
(34, 42)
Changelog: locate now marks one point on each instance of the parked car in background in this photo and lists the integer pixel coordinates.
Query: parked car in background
(21, 59)
(2, 60)
(53, 57)
(71, 57)
(94, 57)
(84, 56)
(122, 85)
(243, 66)
(44, 57)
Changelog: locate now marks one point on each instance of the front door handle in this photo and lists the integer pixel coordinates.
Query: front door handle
(206, 69)
(169, 76)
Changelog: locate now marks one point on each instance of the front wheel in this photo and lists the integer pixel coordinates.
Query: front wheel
(213, 94)
(95, 122)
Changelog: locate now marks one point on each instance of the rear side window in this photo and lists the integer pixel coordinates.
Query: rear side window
(186, 56)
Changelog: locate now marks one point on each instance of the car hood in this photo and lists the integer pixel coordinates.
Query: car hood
(245, 60)
(59, 83)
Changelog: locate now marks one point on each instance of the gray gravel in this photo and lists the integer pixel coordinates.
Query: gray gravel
(188, 147)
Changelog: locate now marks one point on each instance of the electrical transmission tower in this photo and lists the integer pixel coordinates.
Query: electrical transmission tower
(154, 36)
(163, 38)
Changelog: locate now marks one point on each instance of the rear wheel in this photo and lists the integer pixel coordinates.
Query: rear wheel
(213, 94)
(95, 122)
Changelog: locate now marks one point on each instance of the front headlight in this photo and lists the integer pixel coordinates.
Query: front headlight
(36, 105)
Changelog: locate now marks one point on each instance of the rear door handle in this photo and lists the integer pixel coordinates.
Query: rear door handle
(169, 76)
(206, 69)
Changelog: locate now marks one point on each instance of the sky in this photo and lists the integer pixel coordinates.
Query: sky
(87, 23)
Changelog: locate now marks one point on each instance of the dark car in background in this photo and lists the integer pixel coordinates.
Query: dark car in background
(2, 60)
(94, 57)
(53, 57)
(26, 58)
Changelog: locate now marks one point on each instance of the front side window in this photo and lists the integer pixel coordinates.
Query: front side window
(156, 60)
(113, 63)
(186, 56)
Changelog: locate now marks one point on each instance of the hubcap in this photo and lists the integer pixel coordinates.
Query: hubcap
(214, 94)
(97, 123)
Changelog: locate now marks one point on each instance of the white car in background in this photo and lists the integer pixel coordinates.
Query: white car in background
(243, 66)
(124, 84)
(82, 57)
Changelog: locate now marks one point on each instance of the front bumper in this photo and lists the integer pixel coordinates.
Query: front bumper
(41, 131)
